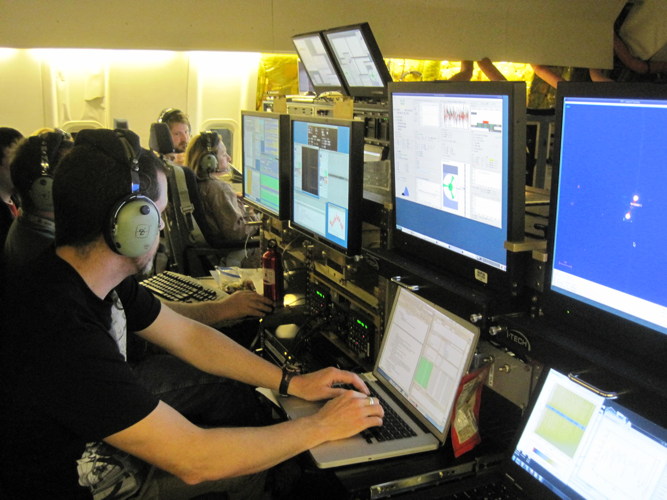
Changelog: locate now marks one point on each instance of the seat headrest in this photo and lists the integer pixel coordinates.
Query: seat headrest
(160, 140)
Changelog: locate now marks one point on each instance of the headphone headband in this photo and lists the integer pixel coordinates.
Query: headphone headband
(133, 161)
(41, 189)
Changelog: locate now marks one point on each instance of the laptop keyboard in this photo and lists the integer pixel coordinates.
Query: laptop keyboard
(393, 426)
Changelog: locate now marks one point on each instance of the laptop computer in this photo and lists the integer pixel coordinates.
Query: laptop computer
(425, 352)
(576, 443)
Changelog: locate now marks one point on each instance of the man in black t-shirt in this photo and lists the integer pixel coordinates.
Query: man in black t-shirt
(64, 380)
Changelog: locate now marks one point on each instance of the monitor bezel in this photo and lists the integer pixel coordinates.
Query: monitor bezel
(355, 189)
(582, 320)
(447, 261)
(375, 54)
(284, 164)
(319, 89)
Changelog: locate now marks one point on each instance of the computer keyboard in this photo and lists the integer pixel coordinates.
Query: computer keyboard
(178, 288)
(393, 426)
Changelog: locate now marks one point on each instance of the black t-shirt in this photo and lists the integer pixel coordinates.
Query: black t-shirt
(63, 381)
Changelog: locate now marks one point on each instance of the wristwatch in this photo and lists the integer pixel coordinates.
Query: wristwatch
(289, 371)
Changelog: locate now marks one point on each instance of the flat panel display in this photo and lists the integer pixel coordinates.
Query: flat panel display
(327, 180)
(458, 160)
(607, 265)
(357, 55)
(316, 59)
(266, 162)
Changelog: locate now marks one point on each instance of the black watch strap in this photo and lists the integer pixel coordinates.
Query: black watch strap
(288, 373)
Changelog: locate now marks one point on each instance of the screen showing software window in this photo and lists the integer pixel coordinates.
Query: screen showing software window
(315, 58)
(451, 170)
(261, 160)
(581, 445)
(355, 59)
(609, 248)
(321, 179)
(425, 352)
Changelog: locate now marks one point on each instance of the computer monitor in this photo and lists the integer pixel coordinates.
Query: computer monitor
(607, 266)
(359, 59)
(266, 162)
(327, 180)
(305, 85)
(316, 59)
(458, 167)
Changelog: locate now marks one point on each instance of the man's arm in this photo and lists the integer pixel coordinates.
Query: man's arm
(215, 353)
(238, 305)
(195, 454)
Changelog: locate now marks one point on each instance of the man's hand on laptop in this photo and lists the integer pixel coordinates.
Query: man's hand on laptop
(348, 414)
(321, 384)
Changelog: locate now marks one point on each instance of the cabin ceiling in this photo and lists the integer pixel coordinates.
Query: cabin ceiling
(552, 32)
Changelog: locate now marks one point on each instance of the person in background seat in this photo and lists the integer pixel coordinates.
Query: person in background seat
(180, 129)
(223, 207)
(32, 167)
(9, 209)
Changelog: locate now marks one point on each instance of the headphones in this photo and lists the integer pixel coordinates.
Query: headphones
(134, 221)
(165, 114)
(209, 161)
(168, 113)
(41, 189)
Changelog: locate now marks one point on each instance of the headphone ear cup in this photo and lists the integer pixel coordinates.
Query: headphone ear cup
(209, 163)
(41, 193)
(134, 226)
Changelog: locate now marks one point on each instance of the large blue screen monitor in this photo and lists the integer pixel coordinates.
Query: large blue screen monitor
(318, 62)
(607, 264)
(458, 151)
(358, 56)
(267, 162)
(327, 180)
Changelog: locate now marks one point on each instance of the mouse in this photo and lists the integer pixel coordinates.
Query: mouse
(287, 331)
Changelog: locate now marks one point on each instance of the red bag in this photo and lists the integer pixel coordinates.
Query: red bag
(465, 426)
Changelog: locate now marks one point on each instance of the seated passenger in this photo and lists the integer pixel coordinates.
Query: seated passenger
(34, 230)
(223, 207)
(9, 208)
(180, 129)
(32, 168)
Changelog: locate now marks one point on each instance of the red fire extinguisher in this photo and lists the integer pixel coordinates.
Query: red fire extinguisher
(273, 274)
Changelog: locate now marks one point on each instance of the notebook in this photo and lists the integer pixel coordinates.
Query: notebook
(425, 352)
(578, 444)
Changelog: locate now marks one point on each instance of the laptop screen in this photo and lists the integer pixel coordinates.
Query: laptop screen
(582, 445)
(425, 353)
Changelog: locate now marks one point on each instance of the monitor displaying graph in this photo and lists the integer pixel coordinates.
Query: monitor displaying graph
(327, 180)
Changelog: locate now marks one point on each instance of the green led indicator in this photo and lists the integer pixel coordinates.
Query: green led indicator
(362, 324)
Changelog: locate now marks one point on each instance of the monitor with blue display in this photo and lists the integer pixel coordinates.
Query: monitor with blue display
(458, 158)
(266, 162)
(327, 180)
(607, 265)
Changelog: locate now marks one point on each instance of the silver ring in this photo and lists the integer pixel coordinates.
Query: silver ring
(371, 401)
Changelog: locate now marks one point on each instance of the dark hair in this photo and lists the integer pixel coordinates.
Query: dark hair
(8, 136)
(92, 178)
(26, 165)
(174, 115)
